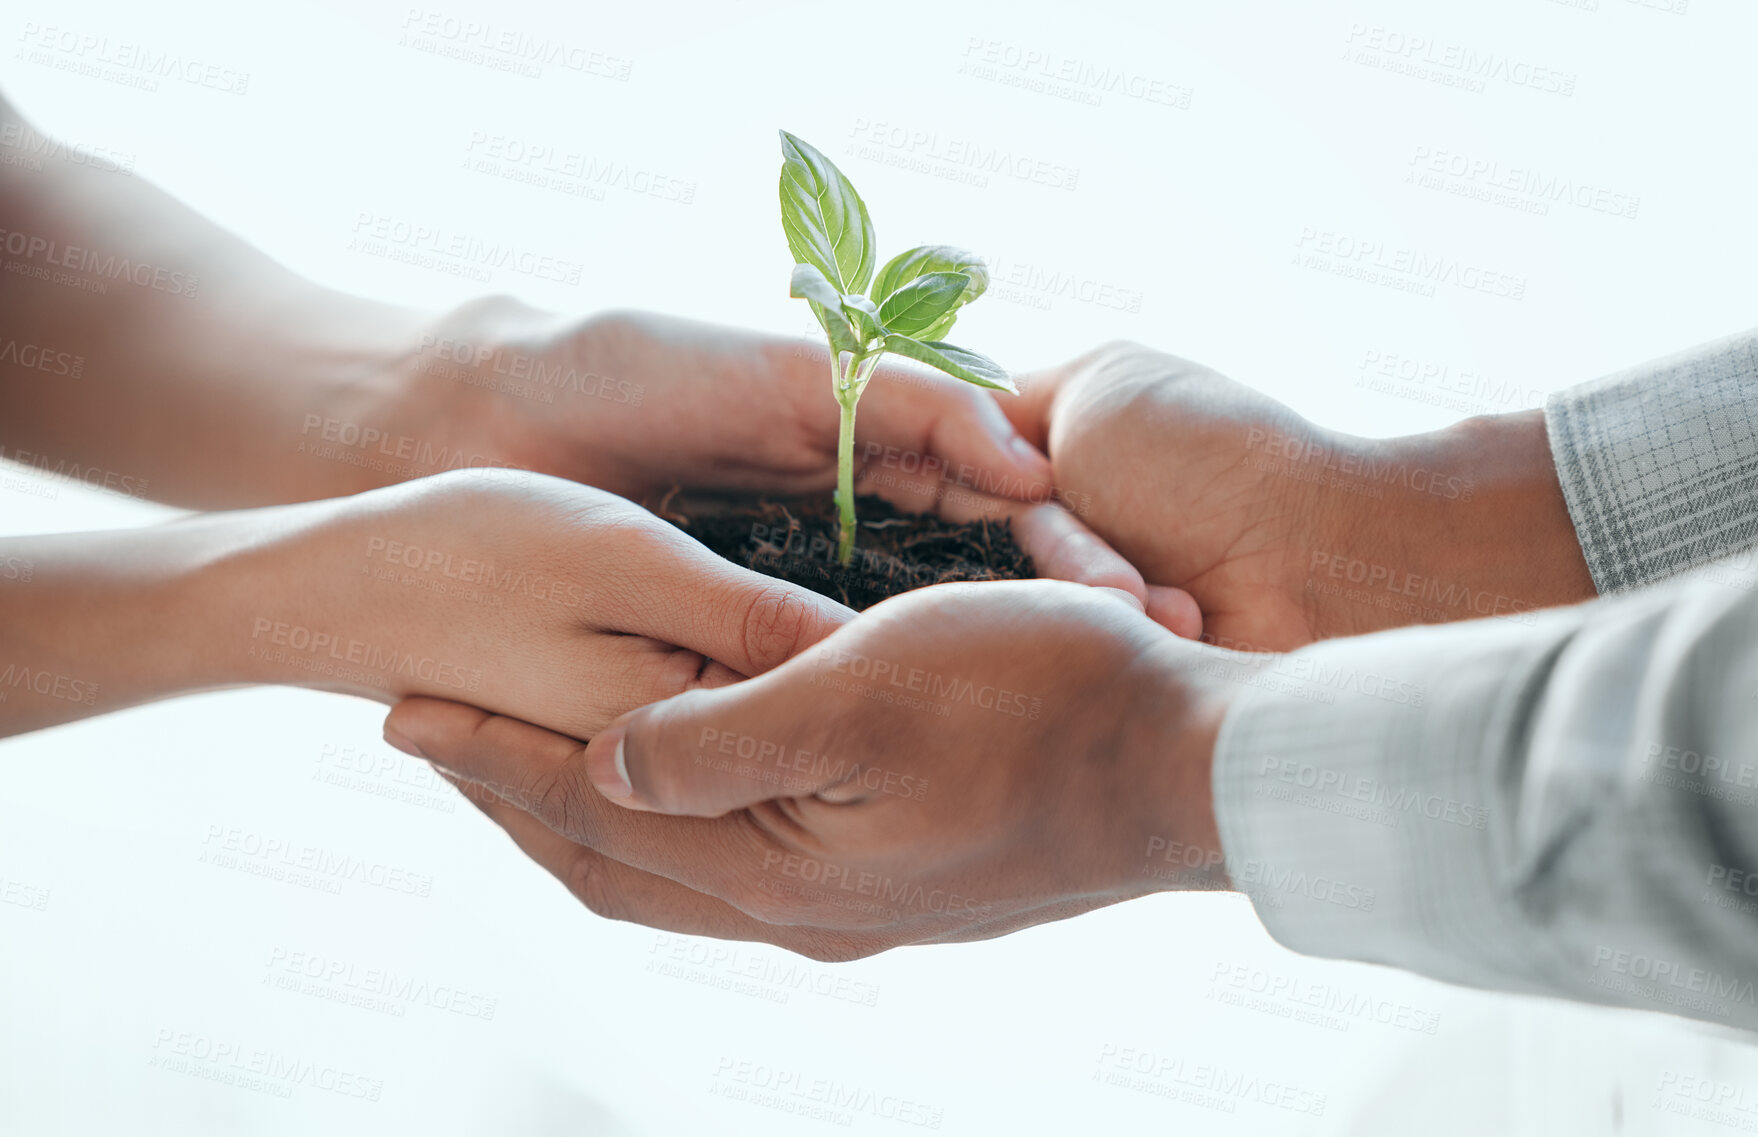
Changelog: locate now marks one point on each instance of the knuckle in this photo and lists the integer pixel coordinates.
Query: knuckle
(593, 887)
(762, 904)
(776, 623)
(558, 798)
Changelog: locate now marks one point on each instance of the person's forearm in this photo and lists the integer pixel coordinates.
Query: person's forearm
(142, 341)
(1618, 483)
(94, 622)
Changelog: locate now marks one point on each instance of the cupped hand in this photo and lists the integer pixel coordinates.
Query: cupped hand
(636, 403)
(1285, 532)
(530, 595)
(954, 764)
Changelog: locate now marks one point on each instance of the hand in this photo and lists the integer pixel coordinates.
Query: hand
(528, 594)
(956, 763)
(636, 403)
(1285, 532)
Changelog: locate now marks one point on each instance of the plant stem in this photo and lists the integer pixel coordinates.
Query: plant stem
(845, 473)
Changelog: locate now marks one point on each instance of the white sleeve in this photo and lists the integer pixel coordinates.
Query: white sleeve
(1566, 805)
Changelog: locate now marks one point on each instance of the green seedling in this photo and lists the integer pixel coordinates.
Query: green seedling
(910, 307)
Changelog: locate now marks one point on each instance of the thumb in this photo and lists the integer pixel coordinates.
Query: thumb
(709, 752)
(1030, 411)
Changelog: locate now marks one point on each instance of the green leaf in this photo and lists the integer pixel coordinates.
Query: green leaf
(826, 221)
(955, 361)
(863, 315)
(810, 284)
(907, 266)
(918, 305)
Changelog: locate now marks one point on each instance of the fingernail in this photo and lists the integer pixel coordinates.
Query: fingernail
(619, 786)
(401, 742)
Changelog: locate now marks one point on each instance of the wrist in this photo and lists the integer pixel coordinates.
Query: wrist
(337, 375)
(376, 595)
(1468, 522)
(100, 621)
(252, 574)
(484, 385)
(1178, 701)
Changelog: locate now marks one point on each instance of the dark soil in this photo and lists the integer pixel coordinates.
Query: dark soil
(795, 539)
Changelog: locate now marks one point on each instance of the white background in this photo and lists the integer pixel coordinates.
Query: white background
(1269, 136)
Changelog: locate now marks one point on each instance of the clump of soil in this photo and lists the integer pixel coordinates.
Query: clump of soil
(794, 539)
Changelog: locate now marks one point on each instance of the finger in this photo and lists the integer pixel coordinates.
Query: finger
(709, 752)
(670, 588)
(1063, 548)
(610, 888)
(1016, 921)
(1030, 411)
(1175, 610)
(734, 859)
(907, 410)
(544, 774)
(615, 891)
(1059, 543)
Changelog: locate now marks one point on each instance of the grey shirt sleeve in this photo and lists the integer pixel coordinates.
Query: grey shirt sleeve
(1659, 463)
(1563, 803)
